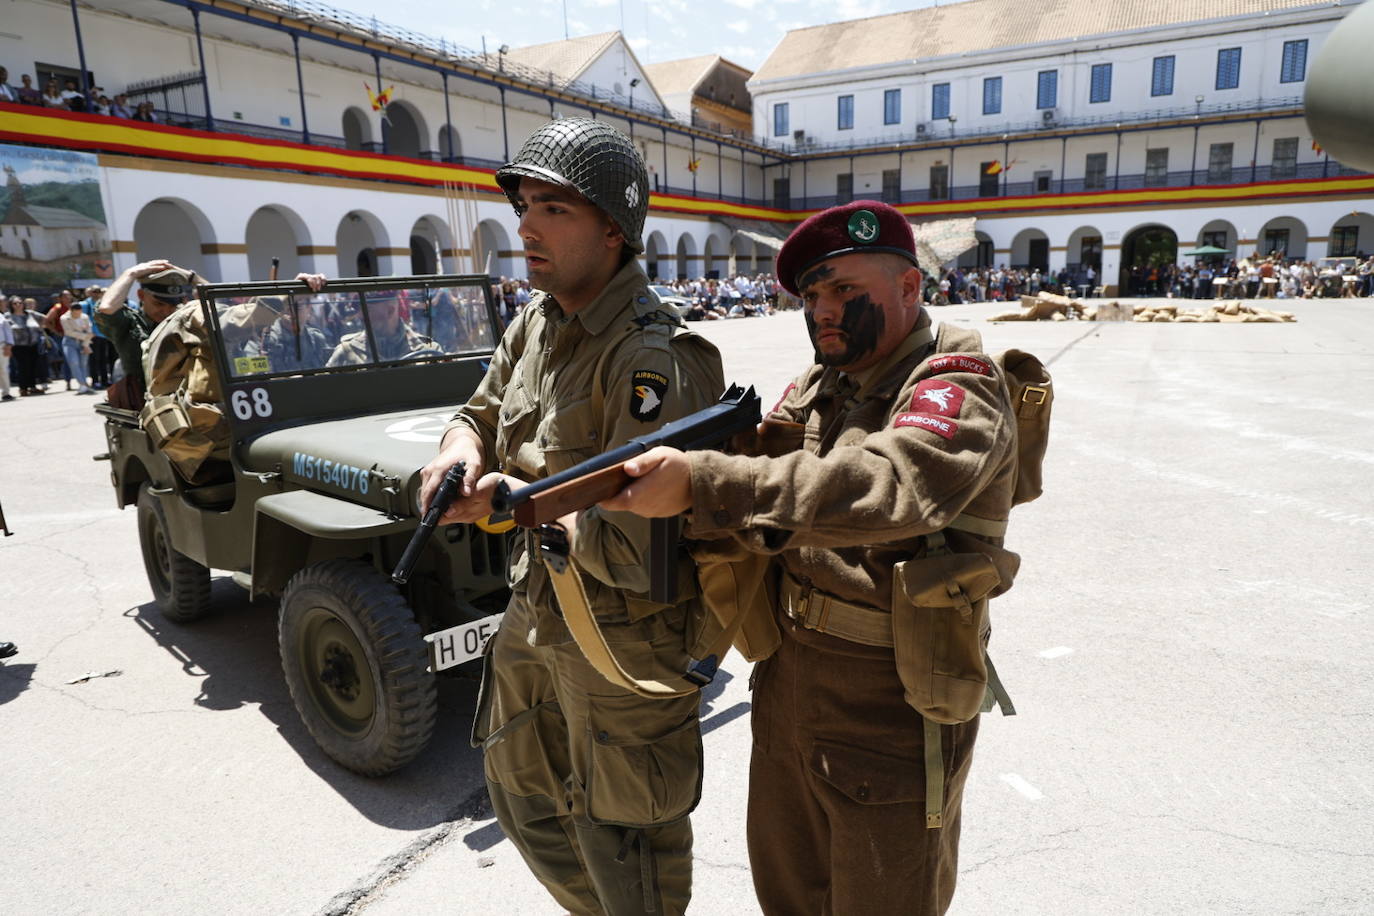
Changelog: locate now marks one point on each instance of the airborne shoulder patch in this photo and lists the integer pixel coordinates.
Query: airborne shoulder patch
(959, 363)
(938, 425)
(648, 389)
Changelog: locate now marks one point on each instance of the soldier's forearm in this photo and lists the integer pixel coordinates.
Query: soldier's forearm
(117, 294)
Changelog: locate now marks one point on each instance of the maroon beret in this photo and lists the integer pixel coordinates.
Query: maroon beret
(861, 227)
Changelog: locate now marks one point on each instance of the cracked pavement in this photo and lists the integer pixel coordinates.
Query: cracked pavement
(1202, 548)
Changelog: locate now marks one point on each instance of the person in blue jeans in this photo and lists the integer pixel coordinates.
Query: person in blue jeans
(76, 345)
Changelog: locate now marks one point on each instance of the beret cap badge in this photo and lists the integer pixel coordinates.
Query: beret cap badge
(863, 227)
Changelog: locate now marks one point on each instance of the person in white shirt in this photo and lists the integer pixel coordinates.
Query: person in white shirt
(76, 344)
(7, 92)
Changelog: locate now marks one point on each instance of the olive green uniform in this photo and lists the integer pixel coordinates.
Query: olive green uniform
(279, 344)
(592, 784)
(127, 329)
(922, 442)
(352, 349)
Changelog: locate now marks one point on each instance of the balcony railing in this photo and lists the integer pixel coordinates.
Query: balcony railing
(945, 130)
(989, 190)
(492, 62)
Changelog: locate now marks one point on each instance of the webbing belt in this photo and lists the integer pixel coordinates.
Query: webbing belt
(824, 613)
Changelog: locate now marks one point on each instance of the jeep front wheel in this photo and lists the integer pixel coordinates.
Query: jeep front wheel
(181, 586)
(357, 666)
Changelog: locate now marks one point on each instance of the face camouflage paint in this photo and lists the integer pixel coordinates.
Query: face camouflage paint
(862, 324)
(814, 275)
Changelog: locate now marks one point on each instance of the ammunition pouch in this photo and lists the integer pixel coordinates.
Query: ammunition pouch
(940, 632)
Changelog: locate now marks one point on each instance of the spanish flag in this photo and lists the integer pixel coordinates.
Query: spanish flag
(994, 167)
(381, 99)
(693, 165)
(1317, 147)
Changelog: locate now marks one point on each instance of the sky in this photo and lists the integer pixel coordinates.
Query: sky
(744, 31)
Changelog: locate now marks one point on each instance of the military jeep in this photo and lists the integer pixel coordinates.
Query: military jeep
(332, 407)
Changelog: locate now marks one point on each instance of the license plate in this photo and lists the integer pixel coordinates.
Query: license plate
(462, 643)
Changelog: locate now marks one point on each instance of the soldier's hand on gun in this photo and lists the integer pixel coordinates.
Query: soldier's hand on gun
(662, 485)
(458, 446)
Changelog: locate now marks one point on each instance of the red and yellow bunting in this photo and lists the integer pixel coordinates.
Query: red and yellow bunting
(72, 130)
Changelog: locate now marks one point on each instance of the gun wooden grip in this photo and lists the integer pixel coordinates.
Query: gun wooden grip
(575, 494)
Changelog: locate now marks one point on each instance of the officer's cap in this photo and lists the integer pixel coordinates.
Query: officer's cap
(861, 227)
(172, 283)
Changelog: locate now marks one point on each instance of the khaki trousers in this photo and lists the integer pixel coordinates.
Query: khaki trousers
(837, 786)
(591, 783)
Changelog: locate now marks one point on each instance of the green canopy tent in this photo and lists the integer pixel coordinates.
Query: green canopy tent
(1205, 250)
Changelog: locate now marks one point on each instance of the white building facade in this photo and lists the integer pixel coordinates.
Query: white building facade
(1075, 135)
(1070, 130)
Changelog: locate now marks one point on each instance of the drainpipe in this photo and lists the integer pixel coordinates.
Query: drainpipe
(300, 88)
(80, 51)
(204, 77)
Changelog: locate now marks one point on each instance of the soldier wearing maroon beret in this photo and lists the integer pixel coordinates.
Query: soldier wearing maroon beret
(896, 463)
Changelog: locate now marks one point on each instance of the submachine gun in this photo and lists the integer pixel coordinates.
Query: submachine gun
(538, 504)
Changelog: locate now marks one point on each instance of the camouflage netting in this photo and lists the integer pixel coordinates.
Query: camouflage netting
(594, 159)
(1052, 307)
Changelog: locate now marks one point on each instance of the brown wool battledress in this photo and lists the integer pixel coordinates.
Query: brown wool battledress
(837, 812)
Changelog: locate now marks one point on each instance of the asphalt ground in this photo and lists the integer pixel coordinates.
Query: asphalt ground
(1188, 645)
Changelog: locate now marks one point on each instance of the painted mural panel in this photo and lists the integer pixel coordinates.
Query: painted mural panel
(52, 220)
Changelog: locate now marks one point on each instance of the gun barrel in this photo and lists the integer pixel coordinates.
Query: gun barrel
(443, 498)
(601, 477)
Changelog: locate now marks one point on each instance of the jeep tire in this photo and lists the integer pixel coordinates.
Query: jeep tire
(356, 666)
(181, 586)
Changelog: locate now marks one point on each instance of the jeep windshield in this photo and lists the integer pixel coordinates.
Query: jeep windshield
(290, 332)
(286, 355)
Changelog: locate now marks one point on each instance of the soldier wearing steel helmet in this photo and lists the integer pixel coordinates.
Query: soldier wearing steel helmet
(593, 784)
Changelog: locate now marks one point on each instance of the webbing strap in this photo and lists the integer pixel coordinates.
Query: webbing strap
(572, 598)
(982, 526)
(935, 775)
(998, 690)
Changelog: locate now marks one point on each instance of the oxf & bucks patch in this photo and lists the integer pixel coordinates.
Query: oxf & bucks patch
(649, 390)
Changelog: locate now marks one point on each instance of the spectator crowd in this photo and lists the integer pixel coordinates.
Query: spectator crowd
(43, 343)
(69, 97)
(1257, 277)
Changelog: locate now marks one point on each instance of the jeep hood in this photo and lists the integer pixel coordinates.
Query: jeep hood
(375, 460)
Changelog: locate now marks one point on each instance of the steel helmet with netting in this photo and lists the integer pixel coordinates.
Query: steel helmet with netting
(592, 158)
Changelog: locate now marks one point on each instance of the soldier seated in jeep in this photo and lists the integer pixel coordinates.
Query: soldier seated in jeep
(292, 342)
(392, 336)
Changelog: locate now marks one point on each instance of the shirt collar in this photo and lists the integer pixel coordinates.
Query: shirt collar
(612, 301)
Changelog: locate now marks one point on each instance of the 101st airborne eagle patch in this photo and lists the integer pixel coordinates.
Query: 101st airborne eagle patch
(646, 397)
